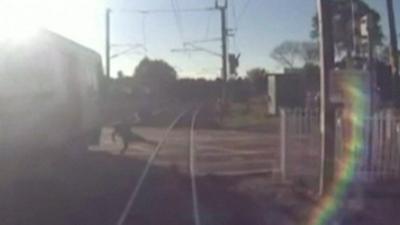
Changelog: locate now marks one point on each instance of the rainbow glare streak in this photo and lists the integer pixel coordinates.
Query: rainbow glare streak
(355, 112)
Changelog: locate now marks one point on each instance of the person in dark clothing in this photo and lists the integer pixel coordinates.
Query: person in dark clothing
(123, 130)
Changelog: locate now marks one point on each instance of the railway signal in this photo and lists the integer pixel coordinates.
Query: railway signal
(233, 64)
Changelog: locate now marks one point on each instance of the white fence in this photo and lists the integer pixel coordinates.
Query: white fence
(379, 158)
(300, 145)
(301, 148)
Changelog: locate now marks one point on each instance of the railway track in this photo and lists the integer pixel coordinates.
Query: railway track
(130, 204)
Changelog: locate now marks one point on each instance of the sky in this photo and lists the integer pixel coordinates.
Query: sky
(259, 26)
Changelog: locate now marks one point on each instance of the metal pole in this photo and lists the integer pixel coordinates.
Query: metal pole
(224, 40)
(108, 44)
(327, 110)
(283, 145)
(393, 48)
(354, 34)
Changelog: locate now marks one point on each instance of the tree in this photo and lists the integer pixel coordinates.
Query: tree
(259, 79)
(309, 53)
(383, 54)
(156, 76)
(346, 14)
(286, 53)
(290, 54)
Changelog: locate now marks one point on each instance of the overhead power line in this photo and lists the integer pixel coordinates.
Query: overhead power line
(235, 24)
(128, 50)
(242, 13)
(190, 47)
(178, 19)
(123, 45)
(204, 40)
(208, 26)
(144, 33)
(155, 11)
(235, 18)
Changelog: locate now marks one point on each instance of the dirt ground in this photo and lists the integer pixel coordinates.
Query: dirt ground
(217, 152)
(238, 184)
(92, 188)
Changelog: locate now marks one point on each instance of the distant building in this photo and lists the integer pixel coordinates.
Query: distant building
(292, 90)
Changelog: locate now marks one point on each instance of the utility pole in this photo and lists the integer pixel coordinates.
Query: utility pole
(224, 40)
(108, 44)
(394, 55)
(354, 30)
(327, 110)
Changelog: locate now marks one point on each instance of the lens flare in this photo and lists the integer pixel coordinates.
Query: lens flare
(355, 113)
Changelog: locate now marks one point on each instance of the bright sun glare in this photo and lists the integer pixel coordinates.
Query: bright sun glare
(20, 20)
(17, 31)
(17, 24)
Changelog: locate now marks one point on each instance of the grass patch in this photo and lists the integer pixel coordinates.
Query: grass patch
(252, 114)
